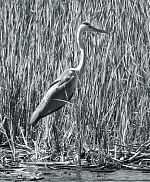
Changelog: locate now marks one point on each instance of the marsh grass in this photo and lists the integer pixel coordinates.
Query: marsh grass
(111, 103)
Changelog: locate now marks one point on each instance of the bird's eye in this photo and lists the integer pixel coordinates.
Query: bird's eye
(86, 23)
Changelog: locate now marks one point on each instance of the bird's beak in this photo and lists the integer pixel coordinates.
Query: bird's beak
(94, 29)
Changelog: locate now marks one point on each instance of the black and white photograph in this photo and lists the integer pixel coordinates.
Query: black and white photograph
(74, 90)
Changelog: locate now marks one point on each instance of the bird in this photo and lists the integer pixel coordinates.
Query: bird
(63, 88)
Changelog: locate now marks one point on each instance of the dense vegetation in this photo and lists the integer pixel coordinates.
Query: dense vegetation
(111, 105)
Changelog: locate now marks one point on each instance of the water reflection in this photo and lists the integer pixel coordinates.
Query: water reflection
(45, 174)
(80, 176)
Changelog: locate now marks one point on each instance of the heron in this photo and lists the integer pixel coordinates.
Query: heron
(63, 88)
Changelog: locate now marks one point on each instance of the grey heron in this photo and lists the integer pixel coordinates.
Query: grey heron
(63, 88)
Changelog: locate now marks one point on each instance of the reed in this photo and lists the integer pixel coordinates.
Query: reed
(111, 104)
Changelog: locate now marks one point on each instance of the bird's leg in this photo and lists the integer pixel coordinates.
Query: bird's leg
(79, 133)
(55, 130)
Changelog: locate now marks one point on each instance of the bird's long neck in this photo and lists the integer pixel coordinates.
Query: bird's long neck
(81, 66)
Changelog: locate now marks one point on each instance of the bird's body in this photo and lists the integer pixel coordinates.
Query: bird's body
(57, 95)
(63, 88)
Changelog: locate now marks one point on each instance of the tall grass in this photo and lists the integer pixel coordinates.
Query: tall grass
(111, 103)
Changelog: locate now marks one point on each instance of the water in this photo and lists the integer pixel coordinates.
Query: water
(64, 175)
(120, 175)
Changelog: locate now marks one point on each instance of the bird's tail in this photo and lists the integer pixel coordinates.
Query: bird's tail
(34, 118)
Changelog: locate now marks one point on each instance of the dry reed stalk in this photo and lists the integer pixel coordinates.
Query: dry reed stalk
(38, 42)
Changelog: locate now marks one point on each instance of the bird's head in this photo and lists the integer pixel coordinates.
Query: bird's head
(85, 26)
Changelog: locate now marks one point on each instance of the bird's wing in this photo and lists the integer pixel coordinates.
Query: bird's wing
(65, 77)
(60, 91)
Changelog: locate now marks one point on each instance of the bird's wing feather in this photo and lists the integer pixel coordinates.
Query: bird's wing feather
(65, 77)
(60, 91)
